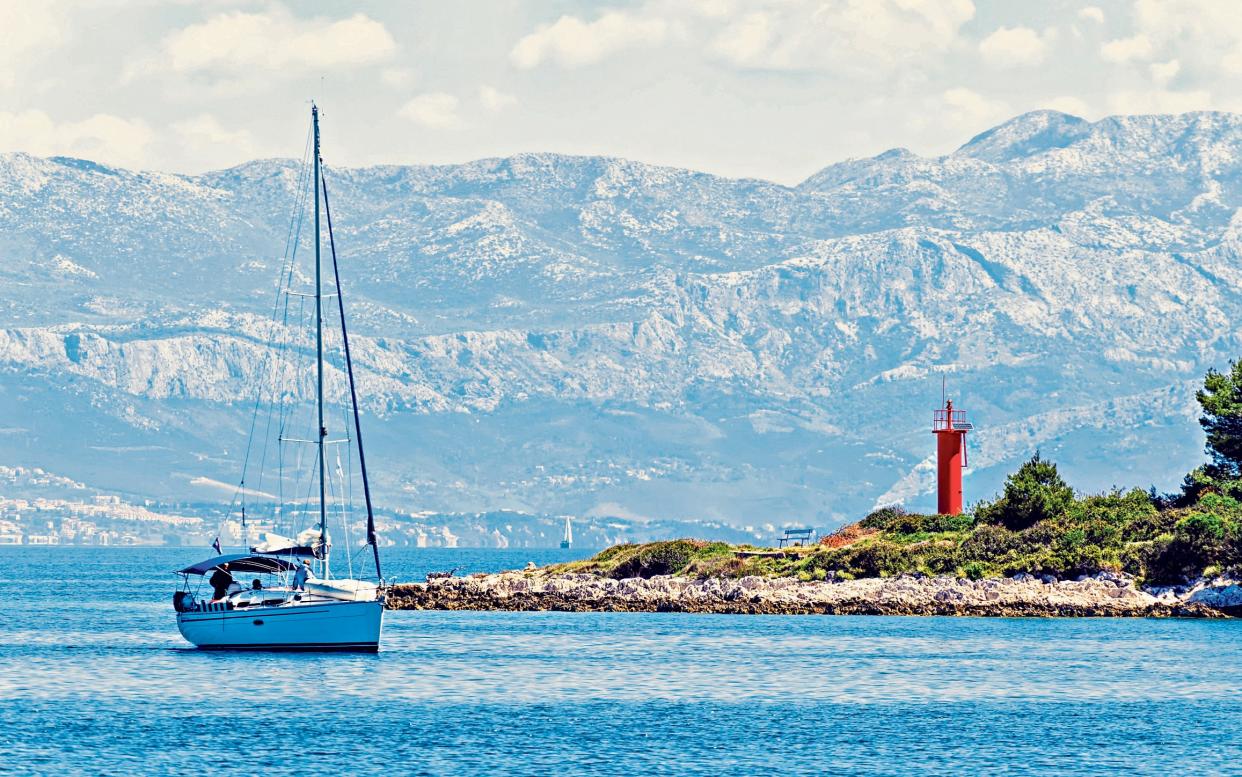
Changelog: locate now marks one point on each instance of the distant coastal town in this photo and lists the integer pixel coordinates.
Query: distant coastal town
(67, 513)
(42, 508)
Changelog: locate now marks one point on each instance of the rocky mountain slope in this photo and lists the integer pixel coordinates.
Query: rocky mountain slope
(596, 336)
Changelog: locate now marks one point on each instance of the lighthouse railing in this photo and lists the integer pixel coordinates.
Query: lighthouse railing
(944, 420)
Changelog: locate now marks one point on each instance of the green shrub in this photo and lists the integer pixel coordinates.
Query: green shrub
(896, 520)
(881, 517)
(1208, 479)
(658, 558)
(1117, 508)
(947, 523)
(1080, 558)
(1221, 504)
(1148, 527)
(826, 561)
(1199, 541)
(974, 570)
(939, 559)
(1102, 533)
(1205, 536)
(906, 523)
(877, 559)
(1141, 559)
(1034, 493)
(989, 542)
(608, 554)
(1040, 536)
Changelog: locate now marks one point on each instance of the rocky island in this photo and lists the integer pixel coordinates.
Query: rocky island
(1037, 549)
(1104, 594)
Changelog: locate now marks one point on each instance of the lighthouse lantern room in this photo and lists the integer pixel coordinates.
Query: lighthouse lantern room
(950, 427)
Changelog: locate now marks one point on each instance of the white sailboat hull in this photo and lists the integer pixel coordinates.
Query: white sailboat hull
(331, 625)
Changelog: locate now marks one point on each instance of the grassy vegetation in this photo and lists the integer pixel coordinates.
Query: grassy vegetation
(1037, 525)
(1158, 540)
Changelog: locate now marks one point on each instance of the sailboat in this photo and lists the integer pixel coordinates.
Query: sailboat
(568, 539)
(295, 602)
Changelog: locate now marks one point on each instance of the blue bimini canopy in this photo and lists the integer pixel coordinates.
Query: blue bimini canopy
(240, 562)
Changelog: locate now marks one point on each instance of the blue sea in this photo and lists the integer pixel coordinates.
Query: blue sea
(95, 679)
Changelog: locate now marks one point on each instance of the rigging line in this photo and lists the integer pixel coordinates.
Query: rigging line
(293, 237)
(301, 189)
(279, 360)
(293, 418)
(283, 409)
(343, 503)
(349, 484)
(344, 476)
(349, 369)
(259, 394)
(295, 389)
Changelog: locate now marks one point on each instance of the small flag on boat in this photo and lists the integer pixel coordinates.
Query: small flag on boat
(215, 544)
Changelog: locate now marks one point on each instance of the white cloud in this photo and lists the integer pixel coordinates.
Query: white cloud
(28, 26)
(237, 43)
(1196, 41)
(102, 137)
(397, 77)
(1231, 62)
(1091, 13)
(1130, 49)
(847, 36)
(746, 40)
(1160, 101)
(1013, 47)
(1164, 72)
(570, 42)
(841, 35)
(206, 130)
(495, 100)
(969, 109)
(212, 145)
(1204, 35)
(1068, 104)
(434, 109)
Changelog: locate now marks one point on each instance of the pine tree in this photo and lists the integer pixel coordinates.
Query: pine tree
(1036, 492)
(1221, 400)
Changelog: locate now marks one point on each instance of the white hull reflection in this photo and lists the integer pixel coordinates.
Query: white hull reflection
(309, 626)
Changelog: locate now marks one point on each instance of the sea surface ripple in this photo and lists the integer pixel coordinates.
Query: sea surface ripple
(95, 679)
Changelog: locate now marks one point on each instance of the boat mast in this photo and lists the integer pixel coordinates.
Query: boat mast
(323, 432)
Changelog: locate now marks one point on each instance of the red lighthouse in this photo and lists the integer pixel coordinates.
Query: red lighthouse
(950, 428)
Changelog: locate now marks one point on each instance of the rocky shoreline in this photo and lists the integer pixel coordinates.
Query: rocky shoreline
(1105, 595)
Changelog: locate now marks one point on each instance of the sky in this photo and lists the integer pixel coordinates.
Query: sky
(772, 89)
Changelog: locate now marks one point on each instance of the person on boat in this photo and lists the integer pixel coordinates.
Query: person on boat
(256, 585)
(303, 574)
(220, 581)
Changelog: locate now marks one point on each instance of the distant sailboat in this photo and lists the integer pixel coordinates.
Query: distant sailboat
(568, 539)
(296, 603)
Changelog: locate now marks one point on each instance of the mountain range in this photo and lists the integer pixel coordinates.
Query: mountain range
(599, 337)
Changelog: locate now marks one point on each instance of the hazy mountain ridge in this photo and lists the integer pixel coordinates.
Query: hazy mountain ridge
(776, 349)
